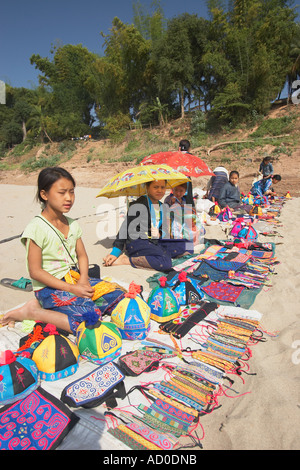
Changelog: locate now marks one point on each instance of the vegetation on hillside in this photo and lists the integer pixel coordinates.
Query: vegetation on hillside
(213, 74)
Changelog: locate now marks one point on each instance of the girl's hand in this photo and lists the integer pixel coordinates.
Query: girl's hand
(82, 289)
(154, 232)
(109, 259)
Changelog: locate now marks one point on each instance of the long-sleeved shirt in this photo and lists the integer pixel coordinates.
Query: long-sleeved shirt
(229, 196)
(141, 216)
(266, 169)
(261, 186)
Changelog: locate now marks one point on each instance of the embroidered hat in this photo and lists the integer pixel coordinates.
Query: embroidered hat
(187, 289)
(132, 315)
(98, 341)
(56, 356)
(163, 302)
(19, 376)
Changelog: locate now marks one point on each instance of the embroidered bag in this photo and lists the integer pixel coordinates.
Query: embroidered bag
(136, 362)
(102, 385)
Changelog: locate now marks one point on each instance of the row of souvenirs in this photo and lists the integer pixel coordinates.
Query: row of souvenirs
(48, 354)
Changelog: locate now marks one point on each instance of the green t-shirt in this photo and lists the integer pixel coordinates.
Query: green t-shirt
(55, 257)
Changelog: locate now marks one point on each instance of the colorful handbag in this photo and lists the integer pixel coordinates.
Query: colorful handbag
(136, 362)
(102, 385)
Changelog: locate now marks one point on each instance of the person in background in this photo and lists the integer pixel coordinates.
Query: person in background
(183, 216)
(184, 147)
(263, 187)
(216, 183)
(230, 194)
(266, 167)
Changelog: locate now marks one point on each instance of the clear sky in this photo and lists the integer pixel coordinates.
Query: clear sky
(31, 26)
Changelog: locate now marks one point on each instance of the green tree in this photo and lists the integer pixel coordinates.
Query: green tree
(69, 102)
(124, 71)
(247, 62)
(174, 63)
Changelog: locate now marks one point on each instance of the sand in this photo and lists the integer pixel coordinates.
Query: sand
(262, 410)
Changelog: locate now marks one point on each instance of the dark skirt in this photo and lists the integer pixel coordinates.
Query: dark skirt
(156, 255)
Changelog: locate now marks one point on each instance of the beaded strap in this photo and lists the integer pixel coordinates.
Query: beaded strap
(127, 439)
(172, 412)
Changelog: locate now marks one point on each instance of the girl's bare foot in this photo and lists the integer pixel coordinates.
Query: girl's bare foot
(121, 260)
(25, 312)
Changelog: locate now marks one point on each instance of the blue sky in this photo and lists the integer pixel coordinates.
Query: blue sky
(30, 27)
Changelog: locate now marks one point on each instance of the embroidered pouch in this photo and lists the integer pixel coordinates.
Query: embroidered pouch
(104, 384)
(136, 362)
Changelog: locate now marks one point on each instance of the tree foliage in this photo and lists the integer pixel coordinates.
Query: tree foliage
(231, 64)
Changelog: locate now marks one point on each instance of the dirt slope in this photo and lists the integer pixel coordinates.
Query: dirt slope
(94, 162)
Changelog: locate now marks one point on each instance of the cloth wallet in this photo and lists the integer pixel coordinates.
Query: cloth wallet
(103, 385)
(136, 362)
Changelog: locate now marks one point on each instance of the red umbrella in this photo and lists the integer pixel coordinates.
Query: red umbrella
(186, 163)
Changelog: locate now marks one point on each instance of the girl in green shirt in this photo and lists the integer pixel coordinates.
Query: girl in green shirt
(53, 244)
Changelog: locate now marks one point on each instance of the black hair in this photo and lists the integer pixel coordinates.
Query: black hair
(277, 177)
(152, 181)
(234, 172)
(48, 176)
(183, 185)
(184, 145)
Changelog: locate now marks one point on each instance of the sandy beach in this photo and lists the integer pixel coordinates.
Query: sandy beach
(263, 410)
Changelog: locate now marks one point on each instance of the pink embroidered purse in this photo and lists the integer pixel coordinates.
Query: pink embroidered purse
(136, 362)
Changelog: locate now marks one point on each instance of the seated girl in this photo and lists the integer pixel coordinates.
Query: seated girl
(143, 240)
(230, 195)
(53, 244)
(182, 215)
